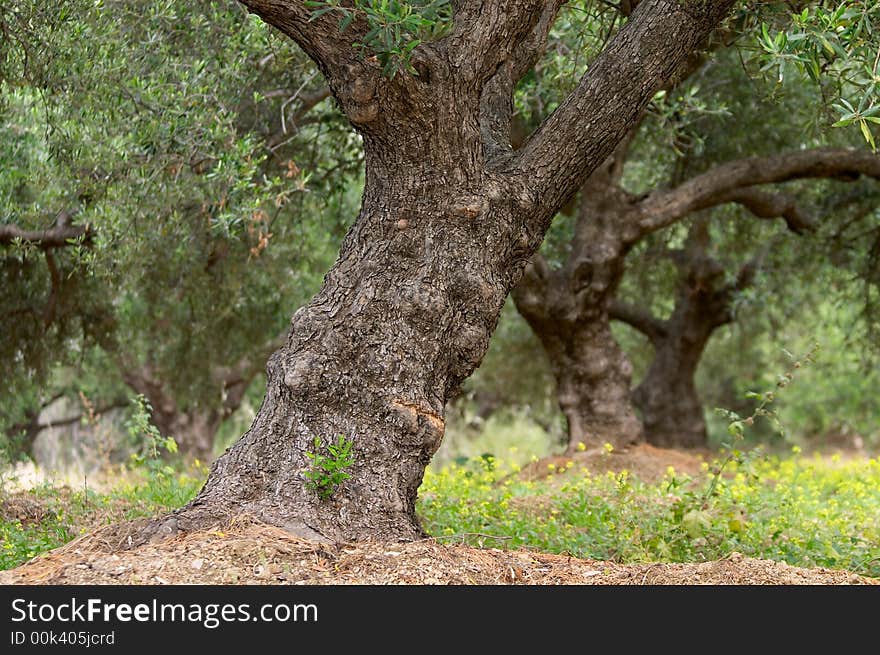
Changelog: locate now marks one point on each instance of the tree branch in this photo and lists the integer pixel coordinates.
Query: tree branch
(319, 38)
(307, 103)
(724, 182)
(115, 404)
(763, 204)
(496, 104)
(643, 56)
(485, 33)
(639, 318)
(59, 236)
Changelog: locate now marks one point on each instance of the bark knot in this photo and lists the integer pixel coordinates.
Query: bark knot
(359, 97)
(414, 411)
(470, 206)
(363, 114)
(302, 375)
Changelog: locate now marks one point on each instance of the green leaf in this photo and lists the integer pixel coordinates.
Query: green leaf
(320, 12)
(696, 523)
(869, 137)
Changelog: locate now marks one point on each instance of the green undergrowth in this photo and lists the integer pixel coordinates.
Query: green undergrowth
(48, 516)
(807, 511)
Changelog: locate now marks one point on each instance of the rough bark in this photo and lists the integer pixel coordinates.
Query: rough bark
(567, 309)
(405, 314)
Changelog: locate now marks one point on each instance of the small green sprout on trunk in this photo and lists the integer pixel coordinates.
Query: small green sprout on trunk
(328, 471)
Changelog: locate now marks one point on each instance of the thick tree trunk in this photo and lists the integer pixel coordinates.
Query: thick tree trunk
(672, 412)
(403, 317)
(592, 372)
(448, 221)
(593, 385)
(567, 308)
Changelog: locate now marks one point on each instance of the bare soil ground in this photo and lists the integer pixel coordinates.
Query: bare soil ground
(250, 553)
(644, 461)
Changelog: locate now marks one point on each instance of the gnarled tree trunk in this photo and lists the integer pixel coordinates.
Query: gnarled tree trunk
(672, 412)
(592, 383)
(402, 318)
(671, 408)
(450, 216)
(567, 308)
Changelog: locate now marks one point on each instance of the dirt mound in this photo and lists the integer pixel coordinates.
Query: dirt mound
(261, 554)
(21, 507)
(644, 461)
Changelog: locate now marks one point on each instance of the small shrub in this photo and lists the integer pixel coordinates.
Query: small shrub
(328, 471)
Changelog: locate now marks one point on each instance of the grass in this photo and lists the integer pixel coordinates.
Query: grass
(48, 516)
(805, 511)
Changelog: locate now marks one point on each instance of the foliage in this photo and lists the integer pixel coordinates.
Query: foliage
(836, 406)
(328, 471)
(737, 424)
(153, 444)
(175, 130)
(837, 47)
(395, 28)
(807, 512)
(579, 33)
